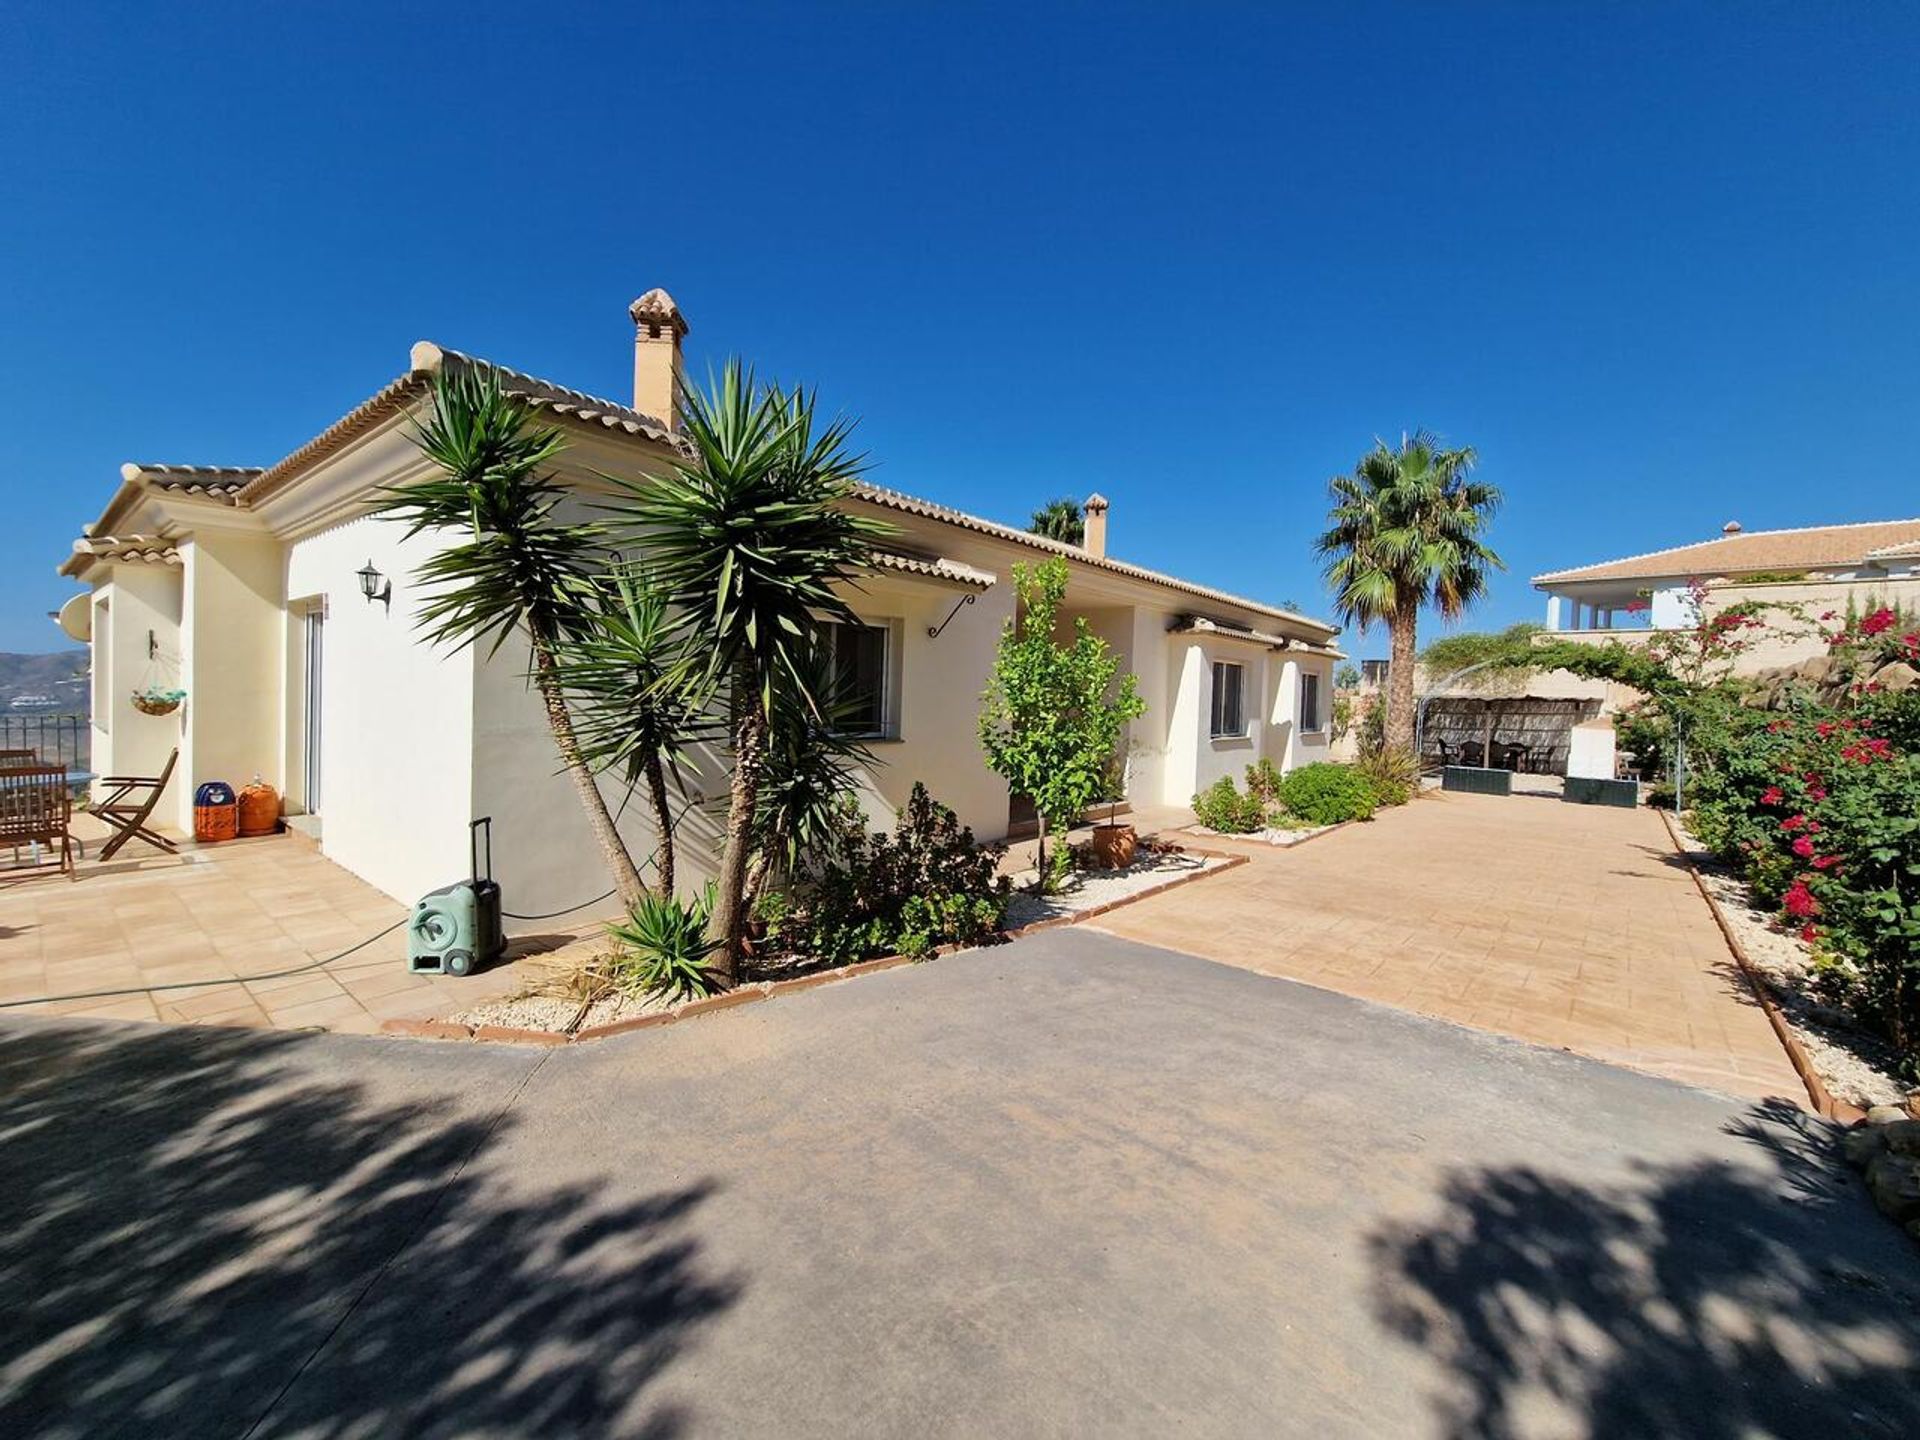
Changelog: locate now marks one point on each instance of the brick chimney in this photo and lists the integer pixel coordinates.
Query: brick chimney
(1094, 534)
(658, 329)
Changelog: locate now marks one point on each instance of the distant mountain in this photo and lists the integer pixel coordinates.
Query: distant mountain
(61, 677)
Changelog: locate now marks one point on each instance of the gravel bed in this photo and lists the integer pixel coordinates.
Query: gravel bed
(556, 1013)
(1856, 1064)
(1085, 889)
(1271, 835)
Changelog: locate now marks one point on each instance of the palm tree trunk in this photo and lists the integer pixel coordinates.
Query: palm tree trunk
(662, 821)
(626, 877)
(1400, 702)
(729, 915)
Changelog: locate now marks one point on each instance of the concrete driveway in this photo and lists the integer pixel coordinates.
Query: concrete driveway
(1573, 926)
(1074, 1185)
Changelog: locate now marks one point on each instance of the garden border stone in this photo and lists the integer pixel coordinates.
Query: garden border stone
(1824, 1101)
(769, 989)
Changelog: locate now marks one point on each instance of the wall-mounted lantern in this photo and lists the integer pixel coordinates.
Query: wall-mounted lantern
(375, 586)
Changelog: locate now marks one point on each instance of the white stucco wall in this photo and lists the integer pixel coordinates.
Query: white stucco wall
(396, 717)
(937, 699)
(231, 644)
(138, 600)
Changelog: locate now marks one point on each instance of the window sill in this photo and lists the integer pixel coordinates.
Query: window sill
(1230, 741)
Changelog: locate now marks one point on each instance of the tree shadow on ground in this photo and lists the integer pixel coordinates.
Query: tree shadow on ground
(205, 1233)
(1709, 1299)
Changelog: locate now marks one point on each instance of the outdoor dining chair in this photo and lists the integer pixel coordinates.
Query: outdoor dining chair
(36, 809)
(130, 803)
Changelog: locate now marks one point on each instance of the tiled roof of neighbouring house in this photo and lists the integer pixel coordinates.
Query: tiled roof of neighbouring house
(1755, 550)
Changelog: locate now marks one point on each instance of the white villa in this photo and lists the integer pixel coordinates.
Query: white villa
(243, 587)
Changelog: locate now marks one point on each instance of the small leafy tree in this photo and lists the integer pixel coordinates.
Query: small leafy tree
(1054, 713)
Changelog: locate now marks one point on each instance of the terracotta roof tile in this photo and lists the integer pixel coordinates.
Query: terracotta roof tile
(949, 570)
(1753, 550)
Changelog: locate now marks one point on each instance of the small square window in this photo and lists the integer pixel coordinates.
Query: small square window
(1229, 711)
(857, 660)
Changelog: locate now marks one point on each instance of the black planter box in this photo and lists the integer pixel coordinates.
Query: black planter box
(1476, 780)
(1584, 791)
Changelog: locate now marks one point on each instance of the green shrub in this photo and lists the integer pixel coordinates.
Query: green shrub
(1393, 773)
(926, 884)
(1326, 794)
(1222, 807)
(1263, 782)
(664, 948)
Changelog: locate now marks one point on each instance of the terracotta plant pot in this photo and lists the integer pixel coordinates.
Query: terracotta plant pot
(1114, 846)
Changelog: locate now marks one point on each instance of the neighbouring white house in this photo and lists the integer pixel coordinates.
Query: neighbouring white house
(1811, 570)
(248, 589)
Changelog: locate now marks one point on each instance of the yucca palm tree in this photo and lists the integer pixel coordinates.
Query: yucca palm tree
(633, 713)
(1407, 529)
(1061, 519)
(752, 544)
(512, 564)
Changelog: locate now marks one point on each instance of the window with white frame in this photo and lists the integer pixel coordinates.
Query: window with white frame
(1309, 701)
(857, 659)
(1229, 700)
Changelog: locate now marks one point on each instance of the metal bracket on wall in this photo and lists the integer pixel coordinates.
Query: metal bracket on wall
(933, 631)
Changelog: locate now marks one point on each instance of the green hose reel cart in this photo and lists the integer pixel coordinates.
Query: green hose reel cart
(459, 927)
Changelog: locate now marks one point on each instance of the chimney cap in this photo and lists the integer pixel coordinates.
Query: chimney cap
(1095, 502)
(656, 308)
(1732, 527)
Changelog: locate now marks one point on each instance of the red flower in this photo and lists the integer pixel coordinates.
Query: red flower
(1816, 792)
(1803, 847)
(1879, 621)
(1809, 933)
(1825, 728)
(1799, 900)
(1771, 795)
(1794, 822)
(1825, 862)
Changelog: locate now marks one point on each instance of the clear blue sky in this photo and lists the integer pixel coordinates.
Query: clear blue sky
(1657, 263)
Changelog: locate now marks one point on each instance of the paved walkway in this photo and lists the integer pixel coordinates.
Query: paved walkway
(1565, 925)
(210, 915)
(1069, 1186)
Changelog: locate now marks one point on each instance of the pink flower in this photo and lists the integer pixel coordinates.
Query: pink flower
(1771, 795)
(1825, 862)
(1793, 823)
(1799, 900)
(1816, 792)
(1803, 847)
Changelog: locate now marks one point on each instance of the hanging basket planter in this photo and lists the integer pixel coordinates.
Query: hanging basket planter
(158, 702)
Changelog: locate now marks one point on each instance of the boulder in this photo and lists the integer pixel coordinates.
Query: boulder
(1813, 669)
(1886, 1115)
(1894, 1182)
(1897, 676)
(1902, 1137)
(1863, 1145)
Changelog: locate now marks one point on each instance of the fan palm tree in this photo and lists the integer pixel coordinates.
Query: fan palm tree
(1061, 519)
(631, 713)
(512, 564)
(751, 544)
(1406, 529)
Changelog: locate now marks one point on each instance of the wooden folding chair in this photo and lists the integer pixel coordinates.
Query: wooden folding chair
(126, 809)
(35, 809)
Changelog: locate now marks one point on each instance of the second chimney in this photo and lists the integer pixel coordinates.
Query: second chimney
(1093, 537)
(658, 328)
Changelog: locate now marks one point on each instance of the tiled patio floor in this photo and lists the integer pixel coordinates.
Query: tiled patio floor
(245, 908)
(1565, 925)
